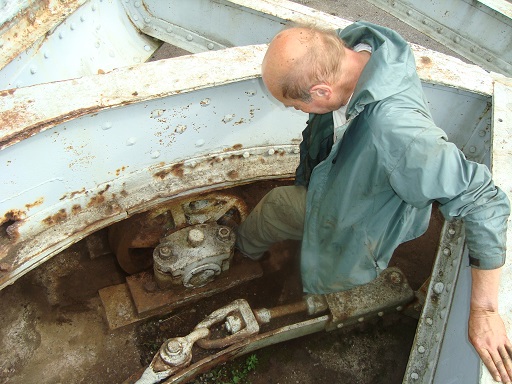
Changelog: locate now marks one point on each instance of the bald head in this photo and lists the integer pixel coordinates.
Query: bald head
(299, 58)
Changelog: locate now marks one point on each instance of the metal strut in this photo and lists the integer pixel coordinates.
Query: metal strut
(241, 325)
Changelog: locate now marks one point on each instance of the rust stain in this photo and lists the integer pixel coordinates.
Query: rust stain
(75, 209)
(72, 194)
(105, 190)
(8, 92)
(162, 174)
(135, 93)
(101, 72)
(426, 61)
(35, 203)
(118, 171)
(124, 193)
(56, 218)
(235, 147)
(96, 200)
(13, 215)
(177, 170)
(233, 174)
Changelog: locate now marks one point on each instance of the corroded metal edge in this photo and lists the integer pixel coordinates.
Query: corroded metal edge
(32, 24)
(140, 192)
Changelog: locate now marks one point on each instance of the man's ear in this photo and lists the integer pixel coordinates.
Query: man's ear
(321, 91)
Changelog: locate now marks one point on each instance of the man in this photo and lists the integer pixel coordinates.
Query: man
(372, 163)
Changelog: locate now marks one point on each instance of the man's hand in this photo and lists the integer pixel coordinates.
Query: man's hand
(486, 329)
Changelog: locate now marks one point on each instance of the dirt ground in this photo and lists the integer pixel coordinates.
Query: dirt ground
(54, 328)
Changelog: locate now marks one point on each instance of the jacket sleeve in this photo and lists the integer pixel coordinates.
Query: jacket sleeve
(432, 169)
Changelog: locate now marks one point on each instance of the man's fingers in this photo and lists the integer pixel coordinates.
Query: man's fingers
(505, 368)
(490, 363)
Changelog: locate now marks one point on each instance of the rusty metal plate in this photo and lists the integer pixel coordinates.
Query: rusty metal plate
(388, 291)
(147, 302)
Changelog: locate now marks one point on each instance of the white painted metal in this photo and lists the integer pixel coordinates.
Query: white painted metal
(97, 37)
(478, 30)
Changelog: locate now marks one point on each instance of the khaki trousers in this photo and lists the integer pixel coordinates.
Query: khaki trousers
(278, 216)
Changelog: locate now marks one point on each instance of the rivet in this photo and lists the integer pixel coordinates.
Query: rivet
(147, 48)
(451, 231)
(72, 26)
(421, 349)
(409, 12)
(399, 308)
(393, 3)
(155, 154)
(112, 53)
(457, 39)
(429, 321)
(340, 325)
(442, 313)
(447, 252)
(93, 7)
(107, 125)
(82, 18)
(131, 141)
(169, 29)
(361, 319)
(414, 376)
(137, 4)
(296, 150)
(271, 151)
(135, 18)
(190, 38)
(46, 55)
(438, 288)
(210, 46)
(33, 70)
(61, 35)
(246, 155)
(193, 164)
(472, 49)
(425, 21)
(439, 29)
(200, 143)
(489, 59)
(380, 314)
(472, 149)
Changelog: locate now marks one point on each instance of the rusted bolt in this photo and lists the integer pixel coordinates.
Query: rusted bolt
(429, 321)
(165, 252)
(195, 237)
(447, 252)
(233, 324)
(421, 349)
(223, 233)
(395, 277)
(414, 376)
(210, 46)
(173, 347)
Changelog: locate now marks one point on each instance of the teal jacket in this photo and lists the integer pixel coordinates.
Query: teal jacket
(373, 189)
